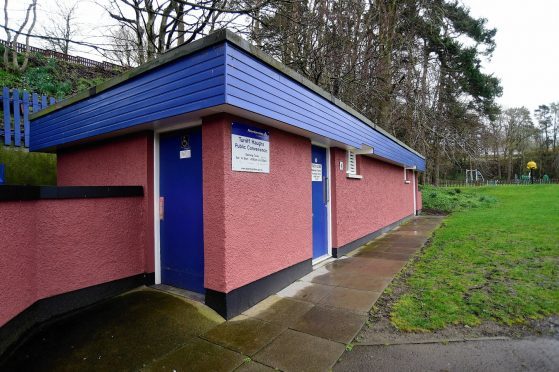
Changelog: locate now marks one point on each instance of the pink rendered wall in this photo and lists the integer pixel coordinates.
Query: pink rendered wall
(125, 161)
(51, 247)
(363, 206)
(18, 287)
(255, 224)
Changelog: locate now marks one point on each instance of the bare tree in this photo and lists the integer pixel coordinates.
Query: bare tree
(62, 29)
(156, 26)
(554, 108)
(30, 16)
(518, 130)
(494, 142)
(403, 64)
(125, 50)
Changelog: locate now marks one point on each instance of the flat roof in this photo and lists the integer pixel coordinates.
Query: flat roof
(217, 37)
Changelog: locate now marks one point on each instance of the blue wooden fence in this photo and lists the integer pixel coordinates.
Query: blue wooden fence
(15, 119)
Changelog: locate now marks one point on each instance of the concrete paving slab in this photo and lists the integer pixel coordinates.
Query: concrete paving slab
(198, 355)
(359, 265)
(297, 351)
(387, 246)
(331, 278)
(376, 267)
(322, 276)
(331, 323)
(370, 263)
(402, 250)
(389, 255)
(344, 267)
(280, 310)
(351, 299)
(306, 291)
(403, 238)
(365, 282)
(420, 229)
(398, 235)
(400, 243)
(340, 263)
(252, 366)
(421, 224)
(374, 245)
(244, 334)
(413, 232)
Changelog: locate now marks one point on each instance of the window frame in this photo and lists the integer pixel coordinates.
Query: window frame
(352, 171)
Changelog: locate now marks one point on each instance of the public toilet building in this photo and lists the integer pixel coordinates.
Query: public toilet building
(250, 175)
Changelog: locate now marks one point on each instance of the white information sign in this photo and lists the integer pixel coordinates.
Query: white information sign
(316, 172)
(250, 149)
(185, 151)
(184, 154)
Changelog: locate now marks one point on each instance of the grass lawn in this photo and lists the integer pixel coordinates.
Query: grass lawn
(498, 261)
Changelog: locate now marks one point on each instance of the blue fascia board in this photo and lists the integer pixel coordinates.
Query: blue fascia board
(253, 85)
(194, 82)
(219, 69)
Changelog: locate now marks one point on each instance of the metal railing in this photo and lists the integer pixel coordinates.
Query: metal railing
(21, 48)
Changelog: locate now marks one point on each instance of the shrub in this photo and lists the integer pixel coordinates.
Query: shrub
(28, 168)
(8, 79)
(83, 84)
(446, 200)
(43, 80)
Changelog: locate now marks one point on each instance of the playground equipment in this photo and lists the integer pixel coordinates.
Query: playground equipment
(532, 166)
(474, 176)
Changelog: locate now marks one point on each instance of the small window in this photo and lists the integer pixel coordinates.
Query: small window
(352, 165)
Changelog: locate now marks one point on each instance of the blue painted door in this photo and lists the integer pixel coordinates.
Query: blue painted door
(181, 214)
(319, 202)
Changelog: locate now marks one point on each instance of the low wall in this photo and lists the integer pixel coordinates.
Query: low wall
(59, 240)
(126, 160)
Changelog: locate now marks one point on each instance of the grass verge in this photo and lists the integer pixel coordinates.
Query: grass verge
(28, 168)
(496, 264)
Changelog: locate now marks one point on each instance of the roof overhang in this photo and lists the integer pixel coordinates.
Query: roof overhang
(217, 37)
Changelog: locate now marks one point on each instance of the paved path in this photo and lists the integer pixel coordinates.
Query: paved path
(305, 327)
(535, 354)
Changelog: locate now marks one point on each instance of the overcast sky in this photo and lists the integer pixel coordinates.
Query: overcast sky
(526, 58)
(527, 55)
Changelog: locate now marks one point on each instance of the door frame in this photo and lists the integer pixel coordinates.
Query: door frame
(414, 194)
(156, 195)
(328, 204)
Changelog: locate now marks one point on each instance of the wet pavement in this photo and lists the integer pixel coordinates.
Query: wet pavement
(127, 332)
(533, 354)
(304, 327)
